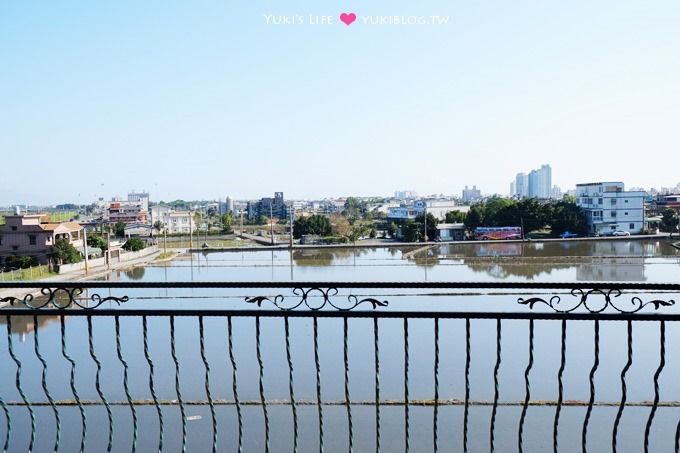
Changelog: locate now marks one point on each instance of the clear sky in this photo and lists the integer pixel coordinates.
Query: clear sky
(209, 98)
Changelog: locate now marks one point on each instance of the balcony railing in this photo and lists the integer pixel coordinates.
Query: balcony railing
(337, 366)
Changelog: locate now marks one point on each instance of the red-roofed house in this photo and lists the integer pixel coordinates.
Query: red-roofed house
(25, 235)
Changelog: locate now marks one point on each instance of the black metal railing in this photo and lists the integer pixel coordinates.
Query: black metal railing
(337, 366)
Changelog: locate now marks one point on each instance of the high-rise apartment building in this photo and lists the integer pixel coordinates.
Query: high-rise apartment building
(470, 195)
(540, 182)
(521, 188)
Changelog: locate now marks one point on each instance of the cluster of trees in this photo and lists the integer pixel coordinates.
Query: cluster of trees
(314, 224)
(669, 221)
(65, 253)
(340, 227)
(134, 245)
(415, 230)
(532, 214)
(21, 262)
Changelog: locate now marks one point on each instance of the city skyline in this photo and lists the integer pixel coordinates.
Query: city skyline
(190, 102)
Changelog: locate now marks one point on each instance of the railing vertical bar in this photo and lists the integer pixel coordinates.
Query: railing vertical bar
(662, 364)
(258, 347)
(234, 383)
(348, 404)
(126, 386)
(72, 379)
(182, 412)
(377, 383)
(435, 421)
(290, 385)
(492, 429)
(152, 387)
(43, 362)
(623, 385)
(317, 366)
(560, 385)
(97, 382)
(466, 413)
(10, 347)
(407, 438)
(527, 388)
(8, 424)
(208, 394)
(591, 401)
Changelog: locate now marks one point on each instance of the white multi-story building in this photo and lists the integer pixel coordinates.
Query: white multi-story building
(180, 222)
(609, 207)
(437, 208)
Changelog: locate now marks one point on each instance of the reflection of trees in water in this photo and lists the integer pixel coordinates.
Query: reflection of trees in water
(136, 273)
(326, 256)
(426, 258)
(516, 268)
(597, 247)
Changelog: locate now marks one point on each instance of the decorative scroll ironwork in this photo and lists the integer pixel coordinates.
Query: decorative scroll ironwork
(62, 298)
(610, 295)
(316, 299)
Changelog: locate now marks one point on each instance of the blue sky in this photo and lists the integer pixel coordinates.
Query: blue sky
(200, 100)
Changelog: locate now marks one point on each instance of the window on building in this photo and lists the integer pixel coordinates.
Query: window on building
(625, 201)
(631, 226)
(31, 239)
(0, 240)
(599, 201)
(613, 214)
(613, 200)
(14, 228)
(625, 213)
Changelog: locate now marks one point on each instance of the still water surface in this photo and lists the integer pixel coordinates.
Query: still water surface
(622, 260)
(601, 260)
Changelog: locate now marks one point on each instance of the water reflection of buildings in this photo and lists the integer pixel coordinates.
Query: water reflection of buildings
(498, 249)
(24, 325)
(612, 269)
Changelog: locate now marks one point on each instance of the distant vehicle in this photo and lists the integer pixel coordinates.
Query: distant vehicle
(487, 233)
(620, 233)
(567, 235)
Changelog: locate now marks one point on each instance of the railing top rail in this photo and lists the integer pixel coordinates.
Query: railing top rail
(255, 313)
(342, 284)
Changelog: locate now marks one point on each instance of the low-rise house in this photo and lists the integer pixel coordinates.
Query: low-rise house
(435, 207)
(26, 235)
(448, 232)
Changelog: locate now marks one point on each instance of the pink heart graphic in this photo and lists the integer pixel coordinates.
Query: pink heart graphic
(348, 18)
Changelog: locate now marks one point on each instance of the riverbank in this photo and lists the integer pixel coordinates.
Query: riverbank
(101, 269)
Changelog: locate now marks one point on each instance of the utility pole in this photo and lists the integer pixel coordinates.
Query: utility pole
(87, 264)
(271, 220)
(291, 215)
(191, 230)
(425, 223)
